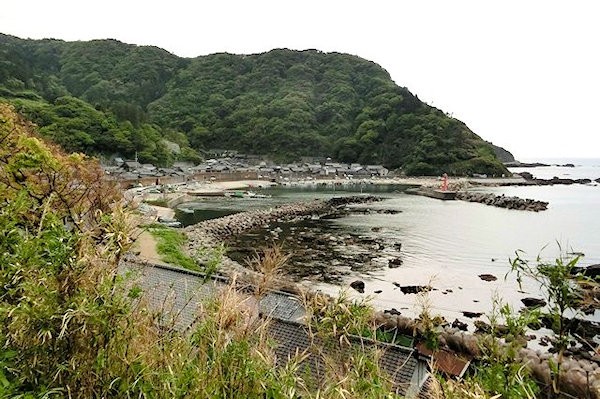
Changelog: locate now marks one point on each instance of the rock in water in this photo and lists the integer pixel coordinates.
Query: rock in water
(591, 271)
(472, 315)
(413, 289)
(533, 303)
(459, 324)
(392, 311)
(358, 285)
(488, 277)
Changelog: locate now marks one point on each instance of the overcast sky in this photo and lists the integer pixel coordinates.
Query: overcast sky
(522, 74)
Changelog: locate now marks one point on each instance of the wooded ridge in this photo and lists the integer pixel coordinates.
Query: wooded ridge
(106, 97)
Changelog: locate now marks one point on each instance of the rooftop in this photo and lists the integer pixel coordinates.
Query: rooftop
(178, 293)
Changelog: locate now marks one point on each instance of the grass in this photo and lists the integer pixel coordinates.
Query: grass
(169, 246)
(268, 263)
(70, 326)
(157, 202)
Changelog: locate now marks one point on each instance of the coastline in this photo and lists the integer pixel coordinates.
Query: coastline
(152, 192)
(431, 261)
(453, 337)
(211, 233)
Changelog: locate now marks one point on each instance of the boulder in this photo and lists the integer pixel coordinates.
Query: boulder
(392, 311)
(459, 324)
(488, 277)
(482, 327)
(526, 175)
(471, 315)
(358, 285)
(413, 289)
(532, 303)
(591, 271)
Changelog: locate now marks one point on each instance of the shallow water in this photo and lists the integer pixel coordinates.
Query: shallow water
(447, 244)
(453, 242)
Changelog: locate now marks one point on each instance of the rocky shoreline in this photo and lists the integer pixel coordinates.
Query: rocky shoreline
(530, 180)
(245, 221)
(579, 376)
(502, 201)
(212, 233)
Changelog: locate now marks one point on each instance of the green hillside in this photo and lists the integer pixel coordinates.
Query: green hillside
(107, 97)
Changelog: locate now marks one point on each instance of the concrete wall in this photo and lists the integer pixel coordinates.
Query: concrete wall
(223, 176)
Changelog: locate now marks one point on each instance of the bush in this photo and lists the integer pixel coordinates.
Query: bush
(71, 326)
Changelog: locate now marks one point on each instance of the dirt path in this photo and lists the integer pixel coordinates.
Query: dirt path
(146, 245)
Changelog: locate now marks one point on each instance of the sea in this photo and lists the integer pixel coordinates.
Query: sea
(448, 244)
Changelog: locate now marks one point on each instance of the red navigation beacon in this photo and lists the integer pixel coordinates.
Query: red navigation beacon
(444, 182)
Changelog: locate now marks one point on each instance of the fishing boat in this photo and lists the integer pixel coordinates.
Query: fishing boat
(245, 194)
(169, 222)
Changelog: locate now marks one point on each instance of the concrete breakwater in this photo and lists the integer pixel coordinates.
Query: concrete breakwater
(502, 201)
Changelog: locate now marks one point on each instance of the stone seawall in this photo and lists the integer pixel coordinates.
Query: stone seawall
(245, 221)
(530, 180)
(207, 235)
(579, 377)
(502, 201)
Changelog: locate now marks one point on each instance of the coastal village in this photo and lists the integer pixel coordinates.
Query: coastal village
(228, 166)
(219, 200)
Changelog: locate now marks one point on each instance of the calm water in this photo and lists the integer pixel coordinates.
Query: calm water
(585, 168)
(210, 208)
(451, 243)
(454, 242)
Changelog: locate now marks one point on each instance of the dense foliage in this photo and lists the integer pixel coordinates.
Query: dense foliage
(58, 256)
(106, 97)
(71, 326)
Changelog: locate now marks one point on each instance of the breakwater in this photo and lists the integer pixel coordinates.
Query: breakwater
(502, 201)
(209, 234)
(245, 221)
(530, 180)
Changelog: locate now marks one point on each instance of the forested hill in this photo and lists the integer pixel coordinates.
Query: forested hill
(107, 97)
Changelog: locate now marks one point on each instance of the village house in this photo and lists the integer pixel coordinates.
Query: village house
(234, 163)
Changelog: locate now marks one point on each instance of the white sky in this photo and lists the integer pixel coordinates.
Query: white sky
(522, 74)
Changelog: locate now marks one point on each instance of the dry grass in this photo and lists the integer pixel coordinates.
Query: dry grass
(269, 264)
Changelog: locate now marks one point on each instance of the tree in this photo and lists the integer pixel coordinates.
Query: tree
(62, 237)
(558, 285)
(269, 104)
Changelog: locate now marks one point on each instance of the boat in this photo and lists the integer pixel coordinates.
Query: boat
(169, 222)
(245, 194)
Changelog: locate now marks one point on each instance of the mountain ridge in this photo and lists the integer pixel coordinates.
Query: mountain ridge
(283, 104)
